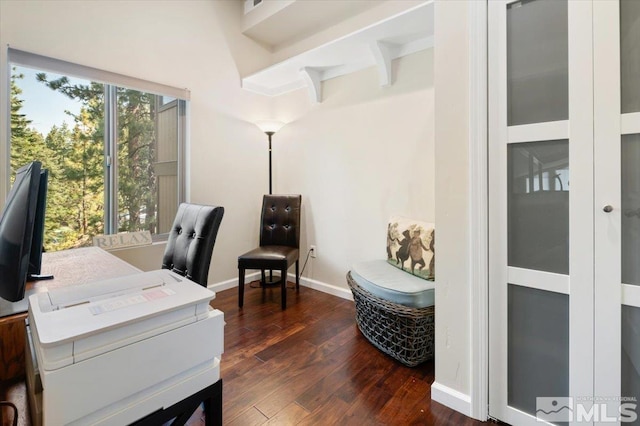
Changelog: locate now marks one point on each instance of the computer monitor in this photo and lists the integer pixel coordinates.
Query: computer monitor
(16, 231)
(37, 241)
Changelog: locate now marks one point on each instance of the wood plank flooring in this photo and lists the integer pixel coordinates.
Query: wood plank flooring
(307, 365)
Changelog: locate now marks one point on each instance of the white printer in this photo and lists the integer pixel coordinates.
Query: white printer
(110, 352)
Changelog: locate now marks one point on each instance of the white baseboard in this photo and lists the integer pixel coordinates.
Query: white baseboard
(334, 290)
(341, 292)
(451, 398)
(232, 283)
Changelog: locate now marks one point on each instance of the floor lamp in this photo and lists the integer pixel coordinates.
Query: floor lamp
(270, 127)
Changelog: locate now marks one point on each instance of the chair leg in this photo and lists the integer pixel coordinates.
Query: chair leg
(297, 275)
(240, 287)
(283, 286)
(263, 283)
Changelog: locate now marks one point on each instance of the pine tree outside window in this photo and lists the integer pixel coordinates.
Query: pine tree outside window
(114, 147)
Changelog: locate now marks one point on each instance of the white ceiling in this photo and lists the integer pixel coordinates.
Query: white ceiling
(287, 22)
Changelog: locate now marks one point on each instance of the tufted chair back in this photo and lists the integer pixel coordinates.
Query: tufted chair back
(191, 241)
(280, 223)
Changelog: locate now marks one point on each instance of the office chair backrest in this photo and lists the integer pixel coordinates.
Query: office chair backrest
(191, 241)
(280, 223)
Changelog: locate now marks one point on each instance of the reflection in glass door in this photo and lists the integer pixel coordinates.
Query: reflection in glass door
(538, 242)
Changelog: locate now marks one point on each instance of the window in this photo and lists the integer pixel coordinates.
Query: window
(113, 146)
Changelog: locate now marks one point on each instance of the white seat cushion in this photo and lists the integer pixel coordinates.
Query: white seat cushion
(392, 284)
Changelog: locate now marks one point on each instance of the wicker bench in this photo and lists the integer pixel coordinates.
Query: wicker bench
(402, 332)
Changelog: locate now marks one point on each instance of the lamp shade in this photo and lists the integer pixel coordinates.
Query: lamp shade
(270, 125)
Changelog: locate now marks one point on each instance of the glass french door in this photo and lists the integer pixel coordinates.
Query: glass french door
(541, 230)
(564, 112)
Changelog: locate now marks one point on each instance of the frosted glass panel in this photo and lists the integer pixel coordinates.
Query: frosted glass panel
(630, 165)
(537, 62)
(538, 205)
(630, 376)
(538, 346)
(630, 55)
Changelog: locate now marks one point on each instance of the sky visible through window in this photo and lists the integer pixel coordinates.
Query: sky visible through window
(43, 106)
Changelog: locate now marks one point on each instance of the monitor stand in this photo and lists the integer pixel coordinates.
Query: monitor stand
(39, 277)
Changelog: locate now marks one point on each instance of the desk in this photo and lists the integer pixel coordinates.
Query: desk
(68, 267)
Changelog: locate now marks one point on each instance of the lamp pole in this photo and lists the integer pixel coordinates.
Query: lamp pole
(270, 127)
(270, 182)
(271, 280)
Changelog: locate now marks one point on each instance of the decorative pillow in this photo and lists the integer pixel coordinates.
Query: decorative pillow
(410, 246)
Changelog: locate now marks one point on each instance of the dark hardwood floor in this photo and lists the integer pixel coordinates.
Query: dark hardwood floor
(310, 365)
(307, 365)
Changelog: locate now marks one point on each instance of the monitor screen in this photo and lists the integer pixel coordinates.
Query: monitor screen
(37, 241)
(16, 231)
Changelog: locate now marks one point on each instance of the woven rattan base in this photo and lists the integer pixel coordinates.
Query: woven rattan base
(401, 332)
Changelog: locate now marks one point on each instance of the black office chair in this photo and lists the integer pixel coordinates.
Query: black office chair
(191, 241)
(279, 242)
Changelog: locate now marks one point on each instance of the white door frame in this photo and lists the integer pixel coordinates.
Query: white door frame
(478, 211)
(476, 404)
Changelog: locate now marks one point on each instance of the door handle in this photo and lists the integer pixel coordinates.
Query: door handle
(607, 208)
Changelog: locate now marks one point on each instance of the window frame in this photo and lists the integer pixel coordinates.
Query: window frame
(112, 81)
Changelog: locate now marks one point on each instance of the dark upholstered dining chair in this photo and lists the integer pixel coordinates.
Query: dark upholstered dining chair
(191, 241)
(279, 242)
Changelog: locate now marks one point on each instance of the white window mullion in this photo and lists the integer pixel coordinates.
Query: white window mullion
(111, 159)
(182, 150)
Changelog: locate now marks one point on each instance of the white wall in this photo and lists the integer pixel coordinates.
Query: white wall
(452, 340)
(178, 43)
(363, 154)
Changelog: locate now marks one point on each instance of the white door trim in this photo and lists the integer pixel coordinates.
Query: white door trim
(478, 211)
